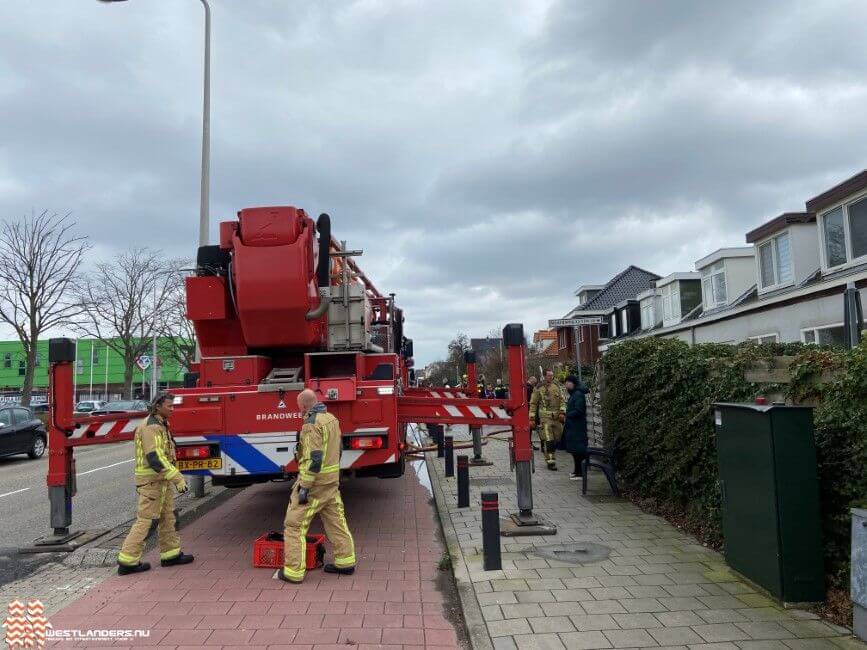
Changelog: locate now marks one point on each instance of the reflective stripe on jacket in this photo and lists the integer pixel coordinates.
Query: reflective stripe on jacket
(321, 445)
(154, 447)
(549, 399)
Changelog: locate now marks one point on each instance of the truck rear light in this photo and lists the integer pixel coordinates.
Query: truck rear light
(373, 442)
(178, 399)
(385, 390)
(193, 452)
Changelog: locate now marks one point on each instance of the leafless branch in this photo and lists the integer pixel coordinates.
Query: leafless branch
(176, 332)
(121, 300)
(40, 256)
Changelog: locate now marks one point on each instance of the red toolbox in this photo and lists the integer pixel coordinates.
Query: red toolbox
(268, 551)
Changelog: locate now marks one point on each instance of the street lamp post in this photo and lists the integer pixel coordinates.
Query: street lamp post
(204, 191)
(197, 482)
(204, 194)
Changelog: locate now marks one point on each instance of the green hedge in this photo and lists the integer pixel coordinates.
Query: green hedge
(658, 398)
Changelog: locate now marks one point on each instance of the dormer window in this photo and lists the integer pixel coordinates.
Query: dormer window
(713, 285)
(844, 233)
(647, 315)
(775, 262)
(669, 296)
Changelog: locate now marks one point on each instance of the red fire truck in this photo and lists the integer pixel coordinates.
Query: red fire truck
(279, 306)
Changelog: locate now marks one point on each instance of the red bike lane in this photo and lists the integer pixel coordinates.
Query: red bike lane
(397, 598)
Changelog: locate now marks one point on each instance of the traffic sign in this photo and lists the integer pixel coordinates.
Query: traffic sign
(143, 362)
(576, 322)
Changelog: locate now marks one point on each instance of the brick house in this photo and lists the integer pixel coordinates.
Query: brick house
(599, 301)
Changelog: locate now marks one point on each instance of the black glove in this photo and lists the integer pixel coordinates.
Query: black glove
(302, 495)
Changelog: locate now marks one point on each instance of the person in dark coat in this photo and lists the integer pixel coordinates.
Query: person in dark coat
(575, 427)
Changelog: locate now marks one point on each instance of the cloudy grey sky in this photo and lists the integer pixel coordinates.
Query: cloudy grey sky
(488, 156)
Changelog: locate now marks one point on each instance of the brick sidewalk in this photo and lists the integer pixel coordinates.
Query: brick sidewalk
(659, 586)
(395, 599)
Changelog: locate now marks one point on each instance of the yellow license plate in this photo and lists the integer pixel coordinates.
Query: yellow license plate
(207, 463)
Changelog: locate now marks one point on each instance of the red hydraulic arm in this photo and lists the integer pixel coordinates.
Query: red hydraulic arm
(442, 406)
(472, 378)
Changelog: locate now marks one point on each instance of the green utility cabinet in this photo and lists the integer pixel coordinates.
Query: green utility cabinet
(770, 498)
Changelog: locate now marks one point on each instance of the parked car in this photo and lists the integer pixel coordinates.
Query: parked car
(21, 432)
(121, 406)
(40, 411)
(89, 406)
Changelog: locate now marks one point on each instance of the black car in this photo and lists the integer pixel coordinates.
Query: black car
(21, 432)
(121, 406)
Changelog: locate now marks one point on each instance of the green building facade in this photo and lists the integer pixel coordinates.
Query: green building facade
(97, 365)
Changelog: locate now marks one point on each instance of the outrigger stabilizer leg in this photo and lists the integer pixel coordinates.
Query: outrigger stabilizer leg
(523, 522)
(473, 391)
(61, 463)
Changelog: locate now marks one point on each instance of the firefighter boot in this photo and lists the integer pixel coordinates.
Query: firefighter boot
(180, 558)
(550, 458)
(125, 570)
(330, 568)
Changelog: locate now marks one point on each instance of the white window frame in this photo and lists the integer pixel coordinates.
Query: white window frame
(847, 234)
(668, 294)
(612, 325)
(758, 337)
(774, 262)
(673, 289)
(647, 305)
(815, 331)
(708, 273)
(624, 320)
(562, 341)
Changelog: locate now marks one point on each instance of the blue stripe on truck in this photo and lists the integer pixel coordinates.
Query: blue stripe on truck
(245, 455)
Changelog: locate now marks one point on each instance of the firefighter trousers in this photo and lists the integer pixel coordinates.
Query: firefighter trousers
(550, 432)
(325, 501)
(156, 509)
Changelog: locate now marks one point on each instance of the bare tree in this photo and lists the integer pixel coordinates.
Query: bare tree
(176, 332)
(39, 261)
(120, 300)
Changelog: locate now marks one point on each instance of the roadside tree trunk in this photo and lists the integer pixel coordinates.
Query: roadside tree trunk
(128, 373)
(29, 374)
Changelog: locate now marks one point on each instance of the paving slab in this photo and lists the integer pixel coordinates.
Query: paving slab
(658, 588)
(398, 596)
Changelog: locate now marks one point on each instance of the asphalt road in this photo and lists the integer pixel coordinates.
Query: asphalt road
(105, 499)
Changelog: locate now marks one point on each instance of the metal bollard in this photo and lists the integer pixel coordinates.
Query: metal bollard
(491, 531)
(440, 434)
(197, 486)
(463, 482)
(477, 447)
(477, 443)
(450, 456)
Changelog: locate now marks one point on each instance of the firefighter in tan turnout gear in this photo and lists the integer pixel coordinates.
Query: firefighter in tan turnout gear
(548, 402)
(316, 491)
(156, 477)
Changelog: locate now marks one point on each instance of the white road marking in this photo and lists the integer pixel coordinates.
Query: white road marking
(15, 492)
(90, 471)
